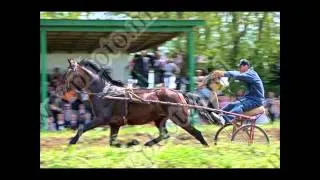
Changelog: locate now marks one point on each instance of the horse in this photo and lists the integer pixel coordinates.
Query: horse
(191, 98)
(119, 113)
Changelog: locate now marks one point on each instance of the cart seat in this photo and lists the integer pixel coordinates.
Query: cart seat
(255, 111)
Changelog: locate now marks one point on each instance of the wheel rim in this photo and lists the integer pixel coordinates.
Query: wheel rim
(243, 136)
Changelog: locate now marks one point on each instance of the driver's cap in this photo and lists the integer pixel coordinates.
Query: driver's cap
(243, 62)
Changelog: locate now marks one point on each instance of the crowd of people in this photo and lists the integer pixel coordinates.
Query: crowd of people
(69, 110)
(167, 68)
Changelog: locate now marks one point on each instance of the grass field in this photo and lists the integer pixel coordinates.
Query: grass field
(181, 150)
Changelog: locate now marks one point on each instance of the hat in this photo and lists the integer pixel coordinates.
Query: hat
(244, 62)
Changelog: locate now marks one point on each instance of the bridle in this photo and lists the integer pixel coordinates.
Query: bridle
(75, 74)
(73, 68)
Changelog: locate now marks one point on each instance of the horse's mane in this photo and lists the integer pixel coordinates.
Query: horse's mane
(105, 71)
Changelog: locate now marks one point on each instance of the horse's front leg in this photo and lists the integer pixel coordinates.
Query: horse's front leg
(163, 132)
(93, 124)
(114, 129)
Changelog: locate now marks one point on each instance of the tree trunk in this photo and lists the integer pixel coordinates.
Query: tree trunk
(259, 36)
(236, 35)
(261, 23)
(208, 35)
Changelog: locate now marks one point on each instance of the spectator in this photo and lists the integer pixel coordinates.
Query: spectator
(55, 106)
(199, 78)
(269, 106)
(138, 71)
(67, 114)
(56, 74)
(69, 96)
(145, 64)
(74, 121)
(170, 71)
(61, 122)
(76, 101)
(51, 124)
(88, 118)
(160, 61)
(151, 60)
(178, 60)
(82, 114)
(277, 107)
(155, 66)
(63, 109)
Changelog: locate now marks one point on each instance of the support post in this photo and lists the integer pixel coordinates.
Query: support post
(191, 63)
(44, 83)
(191, 67)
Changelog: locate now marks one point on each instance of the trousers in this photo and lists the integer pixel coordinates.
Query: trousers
(239, 107)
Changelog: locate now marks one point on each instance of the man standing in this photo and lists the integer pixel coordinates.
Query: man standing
(170, 71)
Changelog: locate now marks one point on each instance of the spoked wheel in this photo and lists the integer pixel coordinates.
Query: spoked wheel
(224, 134)
(244, 135)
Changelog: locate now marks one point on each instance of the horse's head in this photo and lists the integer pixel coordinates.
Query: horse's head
(77, 77)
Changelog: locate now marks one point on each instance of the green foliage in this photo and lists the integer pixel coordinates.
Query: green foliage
(60, 15)
(228, 36)
(233, 88)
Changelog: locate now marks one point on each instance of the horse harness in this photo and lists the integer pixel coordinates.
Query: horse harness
(127, 92)
(133, 97)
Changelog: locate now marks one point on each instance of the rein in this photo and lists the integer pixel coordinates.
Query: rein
(179, 104)
(137, 99)
(142, 101)
(100, 93)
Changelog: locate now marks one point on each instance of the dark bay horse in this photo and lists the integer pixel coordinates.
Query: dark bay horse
(119, 113)
(191, 98)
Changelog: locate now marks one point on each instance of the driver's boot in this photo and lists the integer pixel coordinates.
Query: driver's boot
(218, 118)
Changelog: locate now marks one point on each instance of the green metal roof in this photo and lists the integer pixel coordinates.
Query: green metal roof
(84, 35)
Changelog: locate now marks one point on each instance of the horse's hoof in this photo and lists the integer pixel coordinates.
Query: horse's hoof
(150, 143)
(166, 137)
(132, 143)
(205, 145)
(135, 142)
(118, 145)
(72, 141)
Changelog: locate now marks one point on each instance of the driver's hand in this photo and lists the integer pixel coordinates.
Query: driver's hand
(218, 74)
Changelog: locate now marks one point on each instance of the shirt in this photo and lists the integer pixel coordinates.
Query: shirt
(70, 95)
(170, 69)
(255, 89)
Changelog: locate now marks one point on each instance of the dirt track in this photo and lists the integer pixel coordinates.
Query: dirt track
(181, 138)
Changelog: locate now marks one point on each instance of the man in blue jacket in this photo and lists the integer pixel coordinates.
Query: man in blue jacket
(253, 98)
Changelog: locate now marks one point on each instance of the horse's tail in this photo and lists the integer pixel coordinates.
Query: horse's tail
(195, 99)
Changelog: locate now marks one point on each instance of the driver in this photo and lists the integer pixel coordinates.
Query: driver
(253, 98)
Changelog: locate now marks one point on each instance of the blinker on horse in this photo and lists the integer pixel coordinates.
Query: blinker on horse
(83, 76)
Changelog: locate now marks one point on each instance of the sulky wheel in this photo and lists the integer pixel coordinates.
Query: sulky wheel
(224, 134)
(243, 135)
